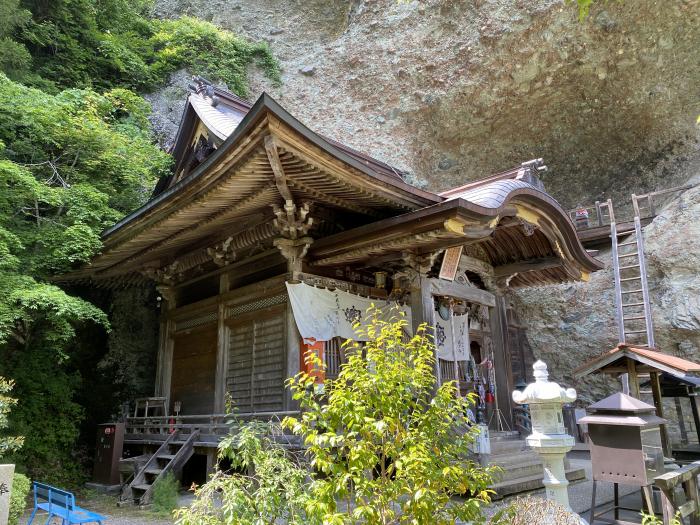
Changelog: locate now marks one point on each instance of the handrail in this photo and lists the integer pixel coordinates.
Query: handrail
(599, 214)
(209, 424)
(521, 420)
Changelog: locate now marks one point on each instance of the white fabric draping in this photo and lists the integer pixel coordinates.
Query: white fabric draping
(323, 314)
(443, 337)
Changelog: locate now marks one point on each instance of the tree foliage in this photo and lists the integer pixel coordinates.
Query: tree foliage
(263, 485)
(390, 446)
(7, 443)
(115, 43)
(76, 154)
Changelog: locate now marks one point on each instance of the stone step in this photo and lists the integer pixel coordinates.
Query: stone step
(504, 435)
(507, 446)
(527, 483)
(514, 458)
(520, 471)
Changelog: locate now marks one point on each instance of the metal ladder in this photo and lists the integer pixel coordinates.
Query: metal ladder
(634, 320)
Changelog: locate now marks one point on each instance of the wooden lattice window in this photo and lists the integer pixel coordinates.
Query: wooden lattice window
(256, 360)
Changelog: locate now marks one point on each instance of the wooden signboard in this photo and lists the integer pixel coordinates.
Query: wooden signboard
(450, 263)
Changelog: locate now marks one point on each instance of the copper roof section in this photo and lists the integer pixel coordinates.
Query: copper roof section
(656, 359)
(620, 402)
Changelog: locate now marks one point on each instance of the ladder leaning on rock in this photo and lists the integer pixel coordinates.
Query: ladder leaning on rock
(632, 302)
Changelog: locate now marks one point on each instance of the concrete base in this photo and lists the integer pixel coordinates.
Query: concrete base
(529, 483)
(111, 490)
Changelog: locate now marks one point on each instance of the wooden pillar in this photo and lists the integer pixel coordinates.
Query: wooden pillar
(501, 356)
(681, 420)
(164, 364)
(633, 378)
(693, 397)
(293, 356)
(294, 252)
(221, 351)
(423, 309)
(658, 402)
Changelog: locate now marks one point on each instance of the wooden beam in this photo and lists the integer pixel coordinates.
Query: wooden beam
(277, 169)
(633, 377)
(461, 291)
(658, 402)
(531, 265)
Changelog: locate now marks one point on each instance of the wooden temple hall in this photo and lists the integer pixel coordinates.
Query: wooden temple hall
(269, 240)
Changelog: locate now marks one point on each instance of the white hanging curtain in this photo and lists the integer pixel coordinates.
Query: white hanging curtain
(323, 314)
(444, 337)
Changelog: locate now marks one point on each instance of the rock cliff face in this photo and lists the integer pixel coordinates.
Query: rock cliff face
(569, 324)
(456, 90)
(453, 90)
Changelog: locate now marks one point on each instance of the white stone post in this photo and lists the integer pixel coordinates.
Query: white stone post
(6, 473)
(549, 438)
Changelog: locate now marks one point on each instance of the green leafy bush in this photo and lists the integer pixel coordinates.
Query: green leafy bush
(7, 443)
(115, 43)
(389, 445)
(21, 485)
(385, 447)
(265, 484)
(165, 494)
(70, 165)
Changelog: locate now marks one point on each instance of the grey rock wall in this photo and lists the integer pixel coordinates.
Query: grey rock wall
(456, 90)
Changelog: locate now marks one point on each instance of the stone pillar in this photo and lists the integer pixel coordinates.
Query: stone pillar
(6, 473)
(549, 438)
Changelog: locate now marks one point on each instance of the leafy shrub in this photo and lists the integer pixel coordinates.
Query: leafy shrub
(7, 443)
(21, 485)
(389, 445)
(264, 485)
(165, 494)
(115, 43)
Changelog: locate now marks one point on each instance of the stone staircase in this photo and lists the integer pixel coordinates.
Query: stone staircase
(522, 468)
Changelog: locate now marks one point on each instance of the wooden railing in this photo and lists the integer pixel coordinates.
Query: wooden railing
(210, 426)
(521, 420)
(687, 504)
(644, 206)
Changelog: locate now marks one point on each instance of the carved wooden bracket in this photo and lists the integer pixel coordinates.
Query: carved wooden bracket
(293, 222)
(223, 253)
(417, 265)
(167, 292)
(168, 275)
(294, 251)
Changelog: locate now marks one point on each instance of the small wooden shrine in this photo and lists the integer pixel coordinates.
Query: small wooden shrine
(665, 374)
(269, 240)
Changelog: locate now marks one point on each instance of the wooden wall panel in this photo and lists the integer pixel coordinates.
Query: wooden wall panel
(257, 360)
(194, 370)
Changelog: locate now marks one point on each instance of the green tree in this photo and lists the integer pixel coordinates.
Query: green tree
(70, 165)
(264, 485)
(388, 444)
(103, 44)
(7, 443)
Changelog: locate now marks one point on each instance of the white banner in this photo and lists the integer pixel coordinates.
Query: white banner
(323, 314)
(444, 337)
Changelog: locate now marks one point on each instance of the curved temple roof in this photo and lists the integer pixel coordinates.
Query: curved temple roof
(261, 152)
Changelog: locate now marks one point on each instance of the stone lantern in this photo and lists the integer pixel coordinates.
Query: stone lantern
(549, 438)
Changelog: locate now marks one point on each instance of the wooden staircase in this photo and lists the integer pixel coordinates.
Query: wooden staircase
(634, 319)
(171, 456)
